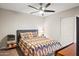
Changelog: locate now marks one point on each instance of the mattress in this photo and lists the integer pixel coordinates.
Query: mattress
(38, 46)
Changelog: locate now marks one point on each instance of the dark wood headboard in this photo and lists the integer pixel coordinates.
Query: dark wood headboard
(22, 31)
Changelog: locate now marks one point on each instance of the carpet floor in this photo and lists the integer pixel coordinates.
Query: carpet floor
(9, 52)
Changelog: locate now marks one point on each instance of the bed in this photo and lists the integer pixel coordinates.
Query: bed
(32, 45)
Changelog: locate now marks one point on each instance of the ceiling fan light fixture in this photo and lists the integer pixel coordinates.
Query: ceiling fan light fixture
(43, 8)
(41, 12)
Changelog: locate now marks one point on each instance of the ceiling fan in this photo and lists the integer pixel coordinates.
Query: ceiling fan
(42, 9)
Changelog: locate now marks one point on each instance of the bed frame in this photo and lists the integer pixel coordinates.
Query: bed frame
(22, 31)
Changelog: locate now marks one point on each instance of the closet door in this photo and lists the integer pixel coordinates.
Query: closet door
(67, 30)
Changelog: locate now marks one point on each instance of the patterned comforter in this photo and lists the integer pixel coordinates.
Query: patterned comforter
(38, 46)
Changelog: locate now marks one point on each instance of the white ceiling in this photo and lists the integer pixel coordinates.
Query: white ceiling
(22, 7)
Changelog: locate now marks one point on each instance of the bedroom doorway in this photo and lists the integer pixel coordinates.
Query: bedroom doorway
(77, 32)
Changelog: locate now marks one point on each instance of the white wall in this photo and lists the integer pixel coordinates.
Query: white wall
(67, 30)
(52, 27)
(53, 23)
(11, 21)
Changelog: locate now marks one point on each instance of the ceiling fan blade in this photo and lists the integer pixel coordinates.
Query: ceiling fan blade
(48, 5)
(34, 12)
(49, 11)
(41, 4)
(32, 7)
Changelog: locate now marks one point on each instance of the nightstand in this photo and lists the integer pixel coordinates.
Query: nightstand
(11, 43)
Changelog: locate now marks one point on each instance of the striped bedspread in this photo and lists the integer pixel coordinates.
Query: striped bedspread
(38, 46)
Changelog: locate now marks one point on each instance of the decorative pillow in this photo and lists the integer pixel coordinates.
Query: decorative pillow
(35, 34)
(24, 35)
(30, 35)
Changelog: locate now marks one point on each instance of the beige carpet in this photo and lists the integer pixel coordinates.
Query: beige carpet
(9, 52)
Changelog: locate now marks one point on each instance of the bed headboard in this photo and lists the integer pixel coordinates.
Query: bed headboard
(22, 31)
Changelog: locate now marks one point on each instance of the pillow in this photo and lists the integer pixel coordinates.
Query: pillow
(30, 35)
(35, 34)
(23, 35)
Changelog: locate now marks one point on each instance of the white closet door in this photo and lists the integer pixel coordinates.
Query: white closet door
(67, 30)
